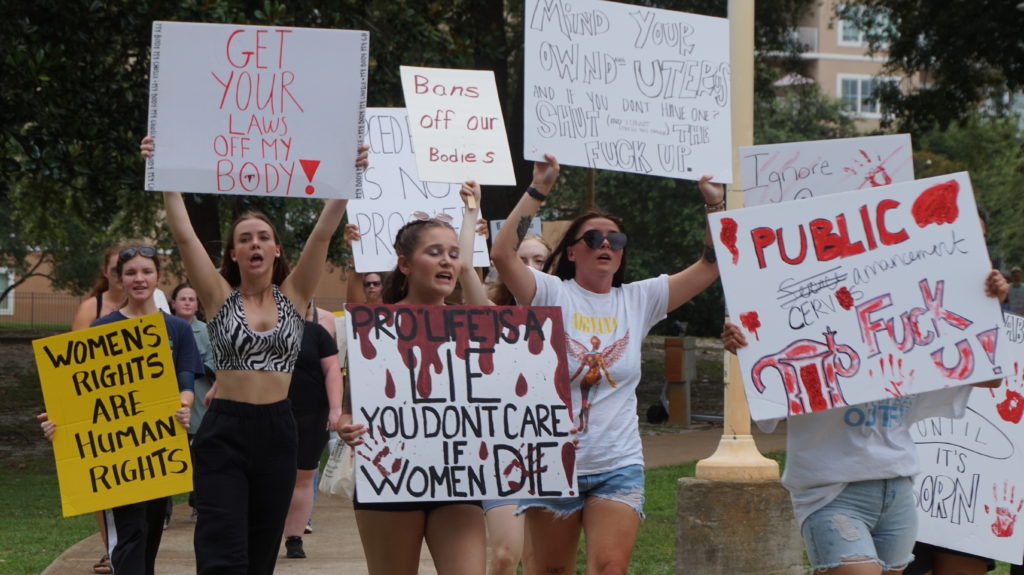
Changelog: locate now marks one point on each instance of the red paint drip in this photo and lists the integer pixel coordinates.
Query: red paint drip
(484, 452)
(521, 387)
(728, 238)
(309, 168)
(389, 384)
(937, 205)
(569, 459)
(844, 297)
(812, 383)
(751, 322)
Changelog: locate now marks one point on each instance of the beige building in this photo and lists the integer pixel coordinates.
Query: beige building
(835, 56)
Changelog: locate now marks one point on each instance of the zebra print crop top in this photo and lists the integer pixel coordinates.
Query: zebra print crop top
(237, 347)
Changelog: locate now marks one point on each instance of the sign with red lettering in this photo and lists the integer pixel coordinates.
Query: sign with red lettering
(969, 491)
(457, 126)
(776, 173)
(627, 88)
(860, 296)
(256, 110)
(393, 190)
(461, 403)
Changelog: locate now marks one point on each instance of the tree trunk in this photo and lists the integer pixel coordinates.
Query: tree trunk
(204, 212)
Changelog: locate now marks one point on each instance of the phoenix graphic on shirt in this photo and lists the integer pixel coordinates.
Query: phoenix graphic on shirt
(597, 363)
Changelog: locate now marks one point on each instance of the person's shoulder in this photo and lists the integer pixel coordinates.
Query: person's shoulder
(109, 318)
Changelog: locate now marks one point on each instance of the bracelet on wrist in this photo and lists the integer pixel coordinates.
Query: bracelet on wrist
(536, 194)
(709, 254)
(715, 207)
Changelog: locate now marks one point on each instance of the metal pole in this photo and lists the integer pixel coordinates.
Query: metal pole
(737, 457)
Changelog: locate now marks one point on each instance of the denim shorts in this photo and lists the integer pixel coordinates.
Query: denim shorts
(869, 522)
(625, 485)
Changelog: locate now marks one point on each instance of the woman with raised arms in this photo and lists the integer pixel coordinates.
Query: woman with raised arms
(604, 362)
(245, 451)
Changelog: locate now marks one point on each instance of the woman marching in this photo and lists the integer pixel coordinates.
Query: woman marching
(605, 322)
(134, 531)
(246, 449)
(430, 260)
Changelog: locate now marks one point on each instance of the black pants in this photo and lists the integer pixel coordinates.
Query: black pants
(245, 467)
(133, 535)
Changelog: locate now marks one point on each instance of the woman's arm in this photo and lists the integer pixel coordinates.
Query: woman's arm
(514, 273)
(302, 281)
(209, 285)
(473, 292)
(687, 283)
(354, 286)
(331, 367)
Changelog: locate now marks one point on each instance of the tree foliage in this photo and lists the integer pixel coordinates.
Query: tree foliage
(967, 52)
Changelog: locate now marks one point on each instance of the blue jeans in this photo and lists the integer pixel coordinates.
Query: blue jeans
(869, 522)
(624, 485)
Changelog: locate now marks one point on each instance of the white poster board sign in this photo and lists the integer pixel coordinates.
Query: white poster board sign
(776, 173)
(392, 191)
(256, 110)
(627, 88)
(457, 125)
(460, 403)
(970, 491)
(823, 292)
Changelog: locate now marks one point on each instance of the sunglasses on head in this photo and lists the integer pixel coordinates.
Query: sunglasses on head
(129, 253)
(371, 283)
(425, 217)
(594, 239)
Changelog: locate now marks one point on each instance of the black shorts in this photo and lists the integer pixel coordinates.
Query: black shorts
(313, 435)
(924, 558)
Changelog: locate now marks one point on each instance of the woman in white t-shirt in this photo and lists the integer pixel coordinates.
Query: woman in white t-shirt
(605, 322)
(849, 470)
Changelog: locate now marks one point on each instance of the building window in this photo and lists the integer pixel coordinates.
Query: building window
(851, 35)
(6, 304)
(859, 95)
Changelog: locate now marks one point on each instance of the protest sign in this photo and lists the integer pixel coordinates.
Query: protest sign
(393, 191)
(776, 173)
(112, 391)
(536, 227)
(969, 491)
(627, 88)
(256, 110)
(460, 403)
(894, 273)
(457, 126)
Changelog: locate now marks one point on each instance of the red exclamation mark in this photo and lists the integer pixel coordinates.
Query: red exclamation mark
(309, 167)
(988, 343)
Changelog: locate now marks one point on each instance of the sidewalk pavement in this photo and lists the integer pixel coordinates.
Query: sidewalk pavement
(334, 545)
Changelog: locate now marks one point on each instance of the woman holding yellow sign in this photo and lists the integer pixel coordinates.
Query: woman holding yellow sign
(134, 530)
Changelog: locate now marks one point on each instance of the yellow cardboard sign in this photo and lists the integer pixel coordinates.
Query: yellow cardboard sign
(112, 391)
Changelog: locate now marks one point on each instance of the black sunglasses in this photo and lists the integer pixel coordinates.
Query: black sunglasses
(594, 239)
(371, 283)
(129, 253)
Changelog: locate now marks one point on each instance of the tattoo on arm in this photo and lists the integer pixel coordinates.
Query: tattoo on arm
(521, 229)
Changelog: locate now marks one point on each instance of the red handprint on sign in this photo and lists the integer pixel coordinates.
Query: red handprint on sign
(871, 171)
(1006, 514)
(385, 459)
(1011, 408)
(892, 369)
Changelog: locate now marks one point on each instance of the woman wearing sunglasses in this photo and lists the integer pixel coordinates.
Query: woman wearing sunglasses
(245, 451)
(606, 321)
(134, 531)
(430, 261)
